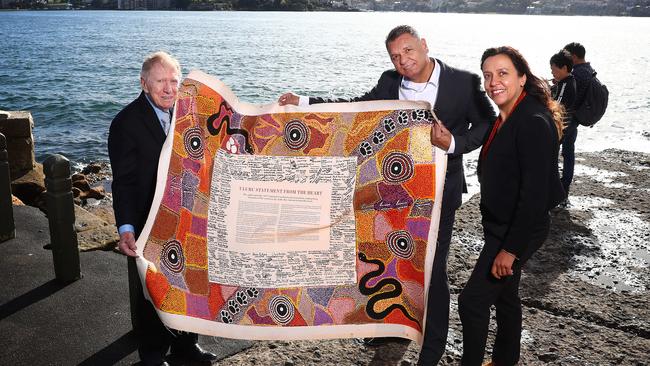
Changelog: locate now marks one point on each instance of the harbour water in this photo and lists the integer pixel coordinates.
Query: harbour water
(74, 70)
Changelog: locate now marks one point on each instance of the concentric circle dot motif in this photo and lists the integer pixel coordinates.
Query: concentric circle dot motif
(401, 244)
(397, 167)
(281, 309)
(193, 141)
(296, 134)
(172, 256)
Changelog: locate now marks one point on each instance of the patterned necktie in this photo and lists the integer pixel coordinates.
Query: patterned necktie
(165, 123)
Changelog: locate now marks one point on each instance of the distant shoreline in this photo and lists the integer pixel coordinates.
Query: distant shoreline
(645, 12)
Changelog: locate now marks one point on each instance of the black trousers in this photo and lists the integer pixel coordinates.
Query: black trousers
(154, 338)
(482, 291)
(437, 323)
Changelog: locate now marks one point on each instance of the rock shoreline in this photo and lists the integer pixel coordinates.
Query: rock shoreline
(584, 293)
(585, 301)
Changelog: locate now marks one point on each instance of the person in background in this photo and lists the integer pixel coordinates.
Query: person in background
(582, 70)
(135, 140)
(564, 92)
(582, 73)
(460, 103)
(520, 183)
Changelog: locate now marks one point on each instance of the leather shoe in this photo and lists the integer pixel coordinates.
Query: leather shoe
(162, 363)
(194, 353)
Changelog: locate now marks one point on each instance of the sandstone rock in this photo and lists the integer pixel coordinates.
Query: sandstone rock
(96, 193)
(93, 168)
(82, 184)
(93, 232)
(16, 201)
(17, 128)
(29, 186)
(77, 176)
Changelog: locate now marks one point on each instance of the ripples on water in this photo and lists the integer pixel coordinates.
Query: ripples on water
(75, 70)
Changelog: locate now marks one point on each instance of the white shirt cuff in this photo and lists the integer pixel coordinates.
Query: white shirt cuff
(303, 101)
(452, 146)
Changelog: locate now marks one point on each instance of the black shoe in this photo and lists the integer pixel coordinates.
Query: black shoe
(151, 359)
(564, 203)
(146, 363)
(194, 353)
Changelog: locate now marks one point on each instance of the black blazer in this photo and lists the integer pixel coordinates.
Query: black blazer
(134, 143)
(519, 176)
(461, 105)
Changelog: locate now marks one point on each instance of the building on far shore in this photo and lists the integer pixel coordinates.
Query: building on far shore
(143, 4)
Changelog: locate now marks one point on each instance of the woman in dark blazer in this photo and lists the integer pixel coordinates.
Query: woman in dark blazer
(519, 185)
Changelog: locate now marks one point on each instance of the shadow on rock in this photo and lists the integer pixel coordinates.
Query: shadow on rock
(568, 237)
(390, 353)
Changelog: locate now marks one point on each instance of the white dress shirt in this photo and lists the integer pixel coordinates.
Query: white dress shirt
(428, 91)
(409, 90)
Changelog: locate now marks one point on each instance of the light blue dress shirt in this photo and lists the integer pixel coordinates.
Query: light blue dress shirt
(164, 117)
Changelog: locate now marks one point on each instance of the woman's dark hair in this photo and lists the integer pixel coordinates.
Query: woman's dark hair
(536, 87)
(561, 59)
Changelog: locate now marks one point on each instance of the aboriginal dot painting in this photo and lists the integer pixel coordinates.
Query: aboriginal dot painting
(396, 196)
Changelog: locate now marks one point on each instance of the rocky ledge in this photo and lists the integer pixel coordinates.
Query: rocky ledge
(584, 293)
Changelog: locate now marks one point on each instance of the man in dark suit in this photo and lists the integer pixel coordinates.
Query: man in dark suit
(135, 140)
(463, 107)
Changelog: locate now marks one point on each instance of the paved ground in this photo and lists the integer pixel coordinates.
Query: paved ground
(87, 322)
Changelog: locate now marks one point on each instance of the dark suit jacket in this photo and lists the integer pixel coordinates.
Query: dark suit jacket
(461, 105)
(519, 176)
(134, 143)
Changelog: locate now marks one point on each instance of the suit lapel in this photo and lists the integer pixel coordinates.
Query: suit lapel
(444, 96)
(150, 120)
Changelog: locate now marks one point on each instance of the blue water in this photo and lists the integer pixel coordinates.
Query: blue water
(74, 70)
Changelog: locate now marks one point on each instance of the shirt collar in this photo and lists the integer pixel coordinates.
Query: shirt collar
(164, 115)
(434, 79)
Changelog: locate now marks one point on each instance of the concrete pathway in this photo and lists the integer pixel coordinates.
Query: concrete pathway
(87, 322)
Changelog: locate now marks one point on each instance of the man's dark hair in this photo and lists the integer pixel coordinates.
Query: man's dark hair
(398, 31)
(561, 59)
(576, 49)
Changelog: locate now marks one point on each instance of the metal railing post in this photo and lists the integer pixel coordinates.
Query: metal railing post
(60, 213)
(7, 226)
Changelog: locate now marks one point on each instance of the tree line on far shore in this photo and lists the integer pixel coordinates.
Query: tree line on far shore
(264, 5)
(640, 8)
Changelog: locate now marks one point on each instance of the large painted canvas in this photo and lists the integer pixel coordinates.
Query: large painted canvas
(274, 222)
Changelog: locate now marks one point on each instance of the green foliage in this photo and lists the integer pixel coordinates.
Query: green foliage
(290, 5)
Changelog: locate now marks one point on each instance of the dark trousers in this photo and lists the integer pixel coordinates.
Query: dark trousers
(568, 154)
(482, 291)
(437, 323)
(154, 338)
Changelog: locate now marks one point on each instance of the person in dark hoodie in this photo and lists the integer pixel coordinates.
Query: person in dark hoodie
(520, 183)
(564, 92)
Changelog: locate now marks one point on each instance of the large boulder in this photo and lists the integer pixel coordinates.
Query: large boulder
(93, 232)
(30, 186)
